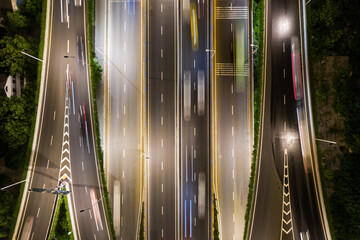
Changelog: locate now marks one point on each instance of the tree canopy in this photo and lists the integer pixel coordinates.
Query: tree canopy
(16, 20)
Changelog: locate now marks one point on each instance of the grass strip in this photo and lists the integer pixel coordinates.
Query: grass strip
(95, 79)
(33, 118)
(142, 224)
(259, 11)
(216, 232)
(61, 226)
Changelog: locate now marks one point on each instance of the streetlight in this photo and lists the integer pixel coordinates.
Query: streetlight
(31, 56)
(326, 141)
(2, 189)
(83, 210)
(257, 47)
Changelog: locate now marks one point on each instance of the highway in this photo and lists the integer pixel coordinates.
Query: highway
(66, 84)
(123, 116)
(161, 170)
(233, 117)
(293, 207)
(194, 133)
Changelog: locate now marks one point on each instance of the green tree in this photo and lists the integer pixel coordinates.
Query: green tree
(5, 213)
(32, 9)
(12, 59)
(16, 20)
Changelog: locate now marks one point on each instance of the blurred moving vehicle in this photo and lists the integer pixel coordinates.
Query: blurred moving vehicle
(194, 27)
(116, 209)
(187, 95)
(77, 3)
(27, 228)
(95, 208)
(201, 92)
(305, 235)
(186, 11)
(239, 56)
(296, 69)
(201, 196)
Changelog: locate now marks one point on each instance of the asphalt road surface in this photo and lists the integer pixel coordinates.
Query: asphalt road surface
(161, 174)
(233, 118)
(282, 211)
(124, 115)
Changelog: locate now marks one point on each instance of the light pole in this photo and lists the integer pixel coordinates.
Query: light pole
(257, 47)
(326, 141)
(83, 210)
(2, 189)
(31, 56)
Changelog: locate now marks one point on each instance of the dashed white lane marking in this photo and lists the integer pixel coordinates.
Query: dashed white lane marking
(124, 109)
(194, 86)
(194, 131)
(162, 232)
(161, 7)
(284, 99)
(123, 153)
(82, 165)
(162, 165)
(233, 173)
(122, 221)
(195, 221)
(124, 67)
(85, 189)
(37, 215)
(124, 131)
(124, 46)
(194, 153)
(47, 166)
(80, 140)
(232, 130)
(124, 26)
(285, 126)
(124, 88)
(283, 72)
(194, 63)
(90, 216)
(162, 143)
(231, 27)
(232, 88)
(232, 152)
(162, 53)
(44, 186)
(51, 140)
(122, 199)
(162, 187)
(283, 47)
(162, 75)
(232, 109)
(162, 120)
(161, 30)
(162, 210)
(233, 196)
(94, 236)
(194, 108)
(54, 115)
(123, 174)
(162, 97)
(67, 48)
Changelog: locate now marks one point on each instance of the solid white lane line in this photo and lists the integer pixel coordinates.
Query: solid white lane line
(123, 174)
(194, 131)
(124, 67)
(161, 7)
(67, 46)
(124, 88)
(232, 88)
(162, 187)
(124, 109)
(162, 143)
(283, 72)
(124, 132)
(284, 99)
(124, 26)
(283, 47)
(194, 63)
(161, 30)
(162, 165)
(162, 53)
(47, 166)
(37, 215)
(51, 140)
(162, 120)
(162, 97)
(232, 130)
(232, 109)
(162, 75)
(82, 165)
(124, 46)
(54, 115)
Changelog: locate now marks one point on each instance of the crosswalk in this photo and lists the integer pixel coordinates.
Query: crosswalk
(227, 70)
(232, 12)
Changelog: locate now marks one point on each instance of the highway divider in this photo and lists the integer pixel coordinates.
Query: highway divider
(216, 232)
(61, 225)
(258, 8)
(95, 78)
